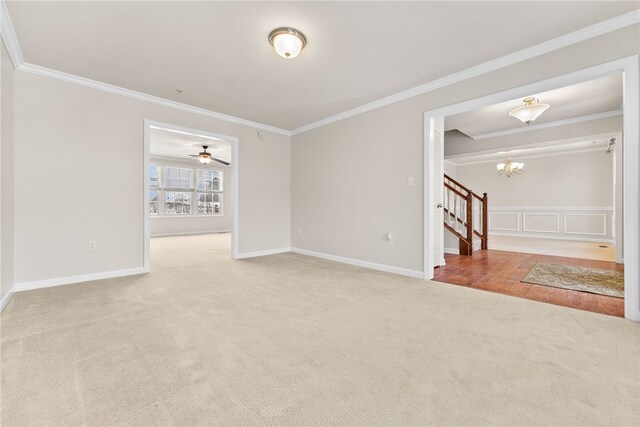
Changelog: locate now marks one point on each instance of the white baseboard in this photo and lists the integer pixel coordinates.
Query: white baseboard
(454, 251)
(262, 253)
(538, 236)
(59, 281)
(372, 265)
(5, 299)
(189, 233)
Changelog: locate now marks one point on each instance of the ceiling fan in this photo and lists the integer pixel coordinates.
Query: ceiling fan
(205, 157)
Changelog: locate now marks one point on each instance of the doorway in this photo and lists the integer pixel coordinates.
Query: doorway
(190, 186)
(434, 166)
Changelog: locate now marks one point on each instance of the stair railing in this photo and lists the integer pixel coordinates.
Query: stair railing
(465, 215)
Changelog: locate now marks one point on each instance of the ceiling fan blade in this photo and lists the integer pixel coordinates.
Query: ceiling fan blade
(193, 155)
(224, 162)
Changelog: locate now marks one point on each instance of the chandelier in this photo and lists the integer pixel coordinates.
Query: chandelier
(510, 168)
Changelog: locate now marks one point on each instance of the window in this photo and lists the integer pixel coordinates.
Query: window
(209, 203)
(178, 178)
(177, 203)
(154, 208)
(209, 180)
(178, 194)
(209, 186)
(154, 182)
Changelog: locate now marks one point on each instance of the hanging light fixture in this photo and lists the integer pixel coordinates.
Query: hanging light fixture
(530, 111)
(510, 168)
(288, 42)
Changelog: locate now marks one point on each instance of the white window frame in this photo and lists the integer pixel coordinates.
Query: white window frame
(218, 174)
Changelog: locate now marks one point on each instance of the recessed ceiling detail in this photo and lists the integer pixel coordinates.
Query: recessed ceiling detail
(593, 99)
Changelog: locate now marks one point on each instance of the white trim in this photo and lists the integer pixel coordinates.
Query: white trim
(604, 224)
(489, 227)
(360, 263)
(453, 158)
(11, 41)
(499, 157)
(117, 90)
(524, 222)
(578, 36)
(189, 233)
(5, 299)
(47, 283)
(551, 208)
(631, 177)
(235, 190)
(534, 127)
(9, 36)
(539, 236)
(629, 67)
(262, 253)
(451, 251)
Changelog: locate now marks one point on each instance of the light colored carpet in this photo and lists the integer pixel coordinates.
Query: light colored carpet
(291, 340)
(583, 279)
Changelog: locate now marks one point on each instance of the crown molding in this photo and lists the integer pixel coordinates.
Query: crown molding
(117, 90)
(13, 47)
(9, 36)
(11, 41)
(578, 36)
(566, 152)
(563, 122)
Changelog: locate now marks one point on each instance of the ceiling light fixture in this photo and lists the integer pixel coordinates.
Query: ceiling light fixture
(530, 111)
(288, 42)
(510, 168)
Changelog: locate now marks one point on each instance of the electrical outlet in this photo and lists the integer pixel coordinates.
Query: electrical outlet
(389, 239)
(410, 181)
(299, 230)
(92, 245)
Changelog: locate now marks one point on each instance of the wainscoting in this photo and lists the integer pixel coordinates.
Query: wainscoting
(587, 224)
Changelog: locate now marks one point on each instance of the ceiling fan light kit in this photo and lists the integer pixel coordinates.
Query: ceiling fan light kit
(530, 111)
(205, 157)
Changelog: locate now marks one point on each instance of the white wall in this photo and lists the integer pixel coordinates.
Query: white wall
(350, 177)
(6, 175)
(575, 180)
(173, 225)
(89, 147)
(568, 196)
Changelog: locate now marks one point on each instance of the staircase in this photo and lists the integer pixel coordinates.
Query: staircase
(465, 215)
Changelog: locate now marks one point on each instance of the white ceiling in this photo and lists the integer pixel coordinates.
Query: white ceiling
(218, 54)
(166, 143)
(583, 99)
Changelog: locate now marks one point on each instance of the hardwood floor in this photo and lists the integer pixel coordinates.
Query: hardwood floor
(502, 272)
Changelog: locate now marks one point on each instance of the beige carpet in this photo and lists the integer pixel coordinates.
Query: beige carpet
(291, 340)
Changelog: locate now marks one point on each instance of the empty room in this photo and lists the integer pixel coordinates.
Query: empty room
(319, 213)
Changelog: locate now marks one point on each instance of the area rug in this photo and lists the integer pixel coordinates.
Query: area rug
(583, 279)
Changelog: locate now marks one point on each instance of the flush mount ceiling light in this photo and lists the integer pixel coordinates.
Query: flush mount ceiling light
(288, 42)
(510, 168)
(530, 111)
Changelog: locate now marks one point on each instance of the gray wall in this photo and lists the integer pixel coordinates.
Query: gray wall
(173, 225)
(349, 178)
(7, 174)
(90, 157)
